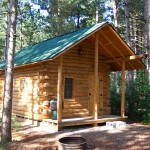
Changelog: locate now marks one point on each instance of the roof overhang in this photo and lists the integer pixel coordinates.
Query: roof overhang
(113, 50)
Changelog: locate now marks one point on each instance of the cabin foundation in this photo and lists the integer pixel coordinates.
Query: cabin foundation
(53, 124)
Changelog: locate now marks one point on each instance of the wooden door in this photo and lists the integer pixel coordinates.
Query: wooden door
(91, 96)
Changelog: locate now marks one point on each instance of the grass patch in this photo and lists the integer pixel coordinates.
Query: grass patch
(1, 148)
(14, 123)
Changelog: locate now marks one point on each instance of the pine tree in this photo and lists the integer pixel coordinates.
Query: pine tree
(8, 83)
(147, 31)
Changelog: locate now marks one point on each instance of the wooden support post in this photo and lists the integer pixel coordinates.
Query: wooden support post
(59, 94)
(96, 81)
(123, 90)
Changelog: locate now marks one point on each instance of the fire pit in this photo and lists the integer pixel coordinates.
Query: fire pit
(74, 143)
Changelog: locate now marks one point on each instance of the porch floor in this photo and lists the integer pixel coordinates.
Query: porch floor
(85, 120)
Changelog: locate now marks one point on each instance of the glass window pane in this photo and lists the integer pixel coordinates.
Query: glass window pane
(68, 88)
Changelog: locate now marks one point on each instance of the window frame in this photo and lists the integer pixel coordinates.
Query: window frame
(72, 88)
(23, 87)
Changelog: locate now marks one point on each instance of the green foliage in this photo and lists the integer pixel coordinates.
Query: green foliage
(141, 90)
(3, 19)
(1, 148)
(136, 8)
(115, 103)
(1, 145)
(30, 26)
(33, 27)
(141, 96)
(146, 118)
(15, 124)
(115, 94)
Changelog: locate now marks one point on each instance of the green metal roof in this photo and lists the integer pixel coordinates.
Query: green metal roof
(50, 48)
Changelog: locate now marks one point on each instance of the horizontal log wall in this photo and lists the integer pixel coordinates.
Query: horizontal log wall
(29, 104)
(80, 67)
(41, 85)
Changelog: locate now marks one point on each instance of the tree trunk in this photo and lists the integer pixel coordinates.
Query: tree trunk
(97, 16)
(116, 74)
(126, 9)
(60, 17)
(21, 34)
(78, 15)
(136, 49)
(147, 32)
(130, 73)
(115, 14)
(6, 38)
(97, 11)
(8, 84)
(78, 21)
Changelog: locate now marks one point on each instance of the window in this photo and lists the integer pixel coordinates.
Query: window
(68, 92)
(23, 85)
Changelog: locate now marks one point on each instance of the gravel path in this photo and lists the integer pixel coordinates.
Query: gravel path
(131, 137)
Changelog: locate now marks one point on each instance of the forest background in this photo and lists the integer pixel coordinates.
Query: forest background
(39, 20)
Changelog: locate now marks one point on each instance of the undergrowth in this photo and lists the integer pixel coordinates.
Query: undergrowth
(146, 118)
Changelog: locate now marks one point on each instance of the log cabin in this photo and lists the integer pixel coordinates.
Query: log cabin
(75, 69)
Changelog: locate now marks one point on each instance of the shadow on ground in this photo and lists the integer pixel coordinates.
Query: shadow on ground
(131, 137)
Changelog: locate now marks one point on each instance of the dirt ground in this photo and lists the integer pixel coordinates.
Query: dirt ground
(133, 136)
